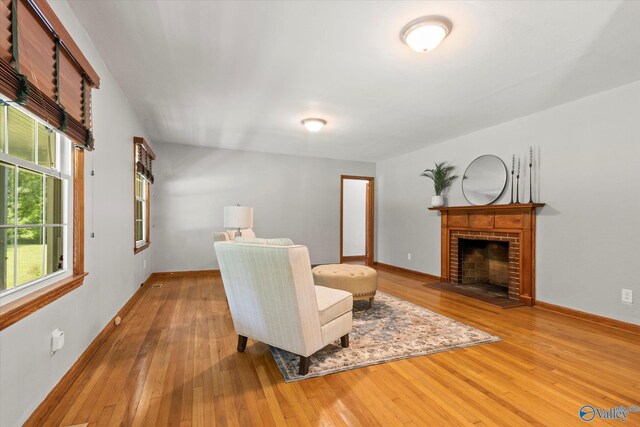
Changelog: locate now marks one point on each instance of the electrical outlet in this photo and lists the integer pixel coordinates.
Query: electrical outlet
(57, 341)
(627, 296)
(409, 256)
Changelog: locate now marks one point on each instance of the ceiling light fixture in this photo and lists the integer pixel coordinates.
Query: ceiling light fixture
(426, 33)
(313, 124)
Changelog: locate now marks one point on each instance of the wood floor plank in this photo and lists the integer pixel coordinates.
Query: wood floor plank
(270, 397)
(173, 361)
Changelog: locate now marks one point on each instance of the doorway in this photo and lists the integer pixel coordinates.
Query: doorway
(356, 219)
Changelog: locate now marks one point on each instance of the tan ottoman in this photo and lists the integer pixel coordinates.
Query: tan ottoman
(361, 281)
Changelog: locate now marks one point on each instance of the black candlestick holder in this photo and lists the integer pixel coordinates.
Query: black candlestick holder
(530, 181)
(511, 202)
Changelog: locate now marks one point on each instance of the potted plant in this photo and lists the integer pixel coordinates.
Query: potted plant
(442, 179)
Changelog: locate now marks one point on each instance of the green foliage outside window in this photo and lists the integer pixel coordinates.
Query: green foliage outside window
(21, 129)
(31, 232)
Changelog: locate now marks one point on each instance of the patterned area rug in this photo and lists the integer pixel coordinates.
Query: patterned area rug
(392, 329)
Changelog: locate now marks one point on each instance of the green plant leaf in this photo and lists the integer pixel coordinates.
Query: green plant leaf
(441, 176)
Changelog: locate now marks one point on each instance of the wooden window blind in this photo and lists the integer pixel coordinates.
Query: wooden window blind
(43, 69)
(144, 158)
(70, 86)
(36, 48)
(5, 31)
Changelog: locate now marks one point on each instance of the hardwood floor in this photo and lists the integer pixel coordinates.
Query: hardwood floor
(173, 361)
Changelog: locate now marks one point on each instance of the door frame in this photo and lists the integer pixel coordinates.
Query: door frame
(370, 218)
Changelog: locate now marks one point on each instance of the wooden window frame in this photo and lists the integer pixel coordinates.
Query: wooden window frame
(22, 307)
(145, 146)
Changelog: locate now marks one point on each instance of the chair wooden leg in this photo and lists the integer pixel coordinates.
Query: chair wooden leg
(371, 302)
(242, 343)
(344, 341)
(305, 362)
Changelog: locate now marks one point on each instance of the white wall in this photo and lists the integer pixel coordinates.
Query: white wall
(295, 197)
(27, 371)
(588, 238)
(354, 220)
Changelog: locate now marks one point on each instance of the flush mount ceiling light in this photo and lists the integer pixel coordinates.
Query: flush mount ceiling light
(313, 124)
(426, 33)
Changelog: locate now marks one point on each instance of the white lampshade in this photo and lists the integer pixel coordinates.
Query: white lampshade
(238, 217)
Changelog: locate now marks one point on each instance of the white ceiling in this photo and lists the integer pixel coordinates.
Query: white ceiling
(242, 75)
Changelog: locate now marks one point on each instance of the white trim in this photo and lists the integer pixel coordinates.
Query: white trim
(35, 142)
(67, 181)
(44, 216)
(25, 164)
(14, 104)
(6, 128)
(15, 232)
(144, 219)
(31, 225)
(43, 281)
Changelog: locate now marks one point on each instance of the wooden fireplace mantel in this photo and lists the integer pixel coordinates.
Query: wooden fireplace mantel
(513, 222)
(514, 206)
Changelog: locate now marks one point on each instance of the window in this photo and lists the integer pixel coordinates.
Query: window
(142, 210)
(34, 181)
(42, 171)
(143, 178)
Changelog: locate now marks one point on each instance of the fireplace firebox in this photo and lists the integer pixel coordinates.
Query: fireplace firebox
(481, 258)
(483, 262)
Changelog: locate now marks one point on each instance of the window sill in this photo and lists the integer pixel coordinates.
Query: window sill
(141, 248)
(28, 304)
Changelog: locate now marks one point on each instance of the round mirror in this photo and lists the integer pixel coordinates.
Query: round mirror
(484, 180)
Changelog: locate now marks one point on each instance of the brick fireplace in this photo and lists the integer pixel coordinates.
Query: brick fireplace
(479, 257)
(491, 244)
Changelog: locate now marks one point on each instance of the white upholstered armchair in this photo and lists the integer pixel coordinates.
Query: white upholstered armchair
(272, 299)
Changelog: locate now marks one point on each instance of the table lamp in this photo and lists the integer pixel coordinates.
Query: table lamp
(238, 217)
